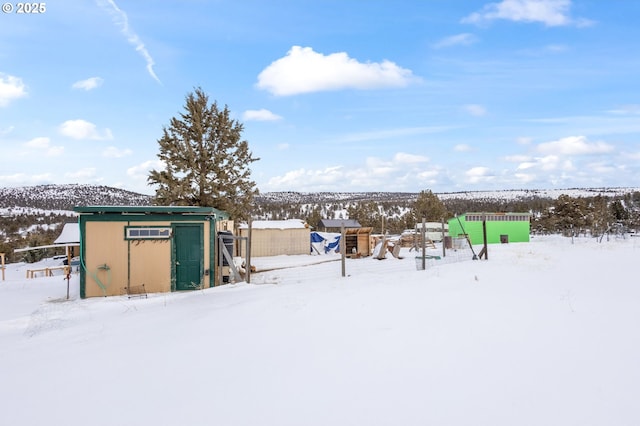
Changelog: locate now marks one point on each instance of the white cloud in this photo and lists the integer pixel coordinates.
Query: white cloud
(601, 168)
(141, 171)
(479, 174)
(632, 109)
(523, 140)
(632, 155)
(549, 12)
(574, 145)
(88, 84)
(43, 146)
(391, 133)
(517, 158)
(81, 174)
(81, 129)
(475, 110)
(260, 115)
(554, 163)
(463, 39)
(38, 143)
(25, 179)
(314, 178)
(524, 177)
(556, 48)
(11, 88)
(526, 165)
(120, 18)
(282, 146)
(462, 147)
(304, 71)
(428, 176)
(114, 152)
(6, 130)
(546, 164)
(402, 170)
(55, 151)
(404, 158)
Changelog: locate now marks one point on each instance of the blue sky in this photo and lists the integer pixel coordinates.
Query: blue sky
(334, 95)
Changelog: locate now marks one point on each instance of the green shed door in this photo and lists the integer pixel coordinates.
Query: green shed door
(189, 255)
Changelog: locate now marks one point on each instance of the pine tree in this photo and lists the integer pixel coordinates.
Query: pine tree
(429, 206)
(206, 161)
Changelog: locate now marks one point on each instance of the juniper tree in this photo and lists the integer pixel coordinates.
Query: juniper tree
(206, 161)
(428, 206)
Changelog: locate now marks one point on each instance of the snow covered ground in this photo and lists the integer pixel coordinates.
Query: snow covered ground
(543, 333)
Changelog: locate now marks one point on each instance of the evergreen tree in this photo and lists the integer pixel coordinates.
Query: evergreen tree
(367, 213)
(314, 217)
(601, 216)
(570, 214)
(618, 211)
(429, 206)
(206, 162)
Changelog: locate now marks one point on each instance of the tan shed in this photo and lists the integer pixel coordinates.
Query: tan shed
(277, 237)
(157, 249)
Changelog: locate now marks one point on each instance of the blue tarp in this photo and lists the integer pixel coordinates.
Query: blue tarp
(326, 242)
(335, 245)
(316, 238)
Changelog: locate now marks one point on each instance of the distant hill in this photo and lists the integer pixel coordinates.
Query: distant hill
(66, 197)
(498, 195)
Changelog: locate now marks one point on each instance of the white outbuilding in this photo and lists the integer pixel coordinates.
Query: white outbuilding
(277, 237)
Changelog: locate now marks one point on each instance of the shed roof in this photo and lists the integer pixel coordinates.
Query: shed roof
(276, 224)
(337, 223)
(184, 210)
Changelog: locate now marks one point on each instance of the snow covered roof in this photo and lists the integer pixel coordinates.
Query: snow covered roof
(276, 224)
(337, 223)
(70, 234)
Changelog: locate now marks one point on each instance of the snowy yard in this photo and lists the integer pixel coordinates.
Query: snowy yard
(543, 333)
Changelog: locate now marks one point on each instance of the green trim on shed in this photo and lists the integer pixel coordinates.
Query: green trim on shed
(173, 214)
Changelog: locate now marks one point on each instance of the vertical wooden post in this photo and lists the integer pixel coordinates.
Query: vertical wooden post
(218, 278)
(424, 244)
(484, 238)
(343, 249)
(2, 264)
(444, 251)
(248, 273)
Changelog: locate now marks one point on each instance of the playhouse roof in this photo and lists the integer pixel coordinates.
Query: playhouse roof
(69, 237)
(70, 234)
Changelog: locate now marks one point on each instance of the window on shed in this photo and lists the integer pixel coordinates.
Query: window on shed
(147, 232)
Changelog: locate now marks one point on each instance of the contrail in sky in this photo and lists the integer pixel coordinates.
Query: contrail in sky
(120, 18)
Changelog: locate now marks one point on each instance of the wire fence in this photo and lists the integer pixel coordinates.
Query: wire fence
(433, 258)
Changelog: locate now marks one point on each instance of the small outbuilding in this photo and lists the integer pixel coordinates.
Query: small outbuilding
(358, 242)
(135, 249)
(69, 239)
(276, 237)
(501, 227)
